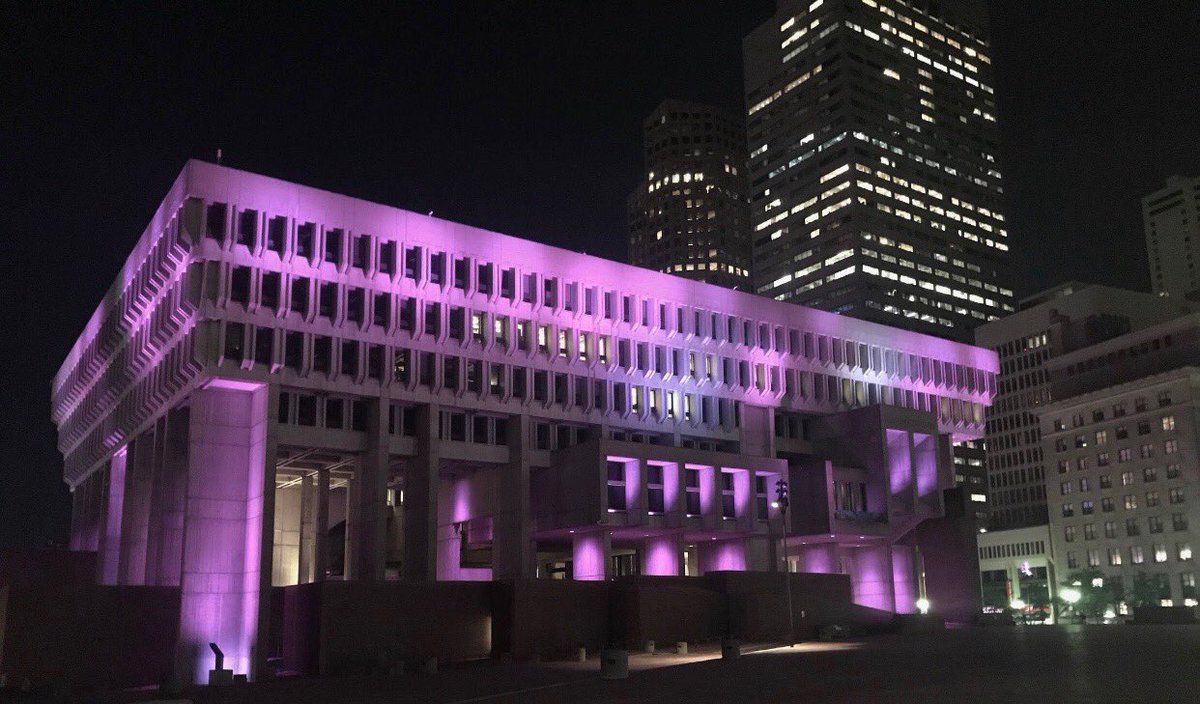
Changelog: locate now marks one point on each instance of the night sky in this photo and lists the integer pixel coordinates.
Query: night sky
(522, 118)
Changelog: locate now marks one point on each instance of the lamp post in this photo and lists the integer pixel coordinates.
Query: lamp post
(781, 501)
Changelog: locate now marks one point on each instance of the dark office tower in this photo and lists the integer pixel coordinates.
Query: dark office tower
(873, 176)
(688, 216)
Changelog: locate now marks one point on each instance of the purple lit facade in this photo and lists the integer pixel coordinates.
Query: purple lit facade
(286, 385)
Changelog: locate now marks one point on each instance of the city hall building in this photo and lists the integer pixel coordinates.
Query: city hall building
(286, 385)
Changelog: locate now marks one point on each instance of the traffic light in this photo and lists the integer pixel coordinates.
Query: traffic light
(781, 494)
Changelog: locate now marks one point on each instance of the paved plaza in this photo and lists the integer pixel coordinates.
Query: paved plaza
(1031, 664)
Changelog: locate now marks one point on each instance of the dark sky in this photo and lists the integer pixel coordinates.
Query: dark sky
(523, 118)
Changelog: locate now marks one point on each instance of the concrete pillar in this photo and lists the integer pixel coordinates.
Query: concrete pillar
(420, 500)
(110, 538)
(135, 515)
(321, 528)
(308, 514)
(511, 554)
(157, 503)
(871, 577)
(591, 559)
(228, 529)
(662, 555)
(285, 553)
(172, 493)
(368, 497)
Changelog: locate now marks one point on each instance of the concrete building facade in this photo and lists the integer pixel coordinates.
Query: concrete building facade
(874, 183)
(1171, 216)
(1058, 321)
(286, 385)
(1018, 565)
(689, 214)
(1121, 440)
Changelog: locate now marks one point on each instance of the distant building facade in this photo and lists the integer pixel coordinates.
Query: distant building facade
(875, 187)
(689, 215)
(1172, 219)
(1016, 566)
(286, 385)
(1069, 317)
(1121, 439)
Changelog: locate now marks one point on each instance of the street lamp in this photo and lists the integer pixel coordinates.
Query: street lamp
(923, 605)
(781, 502)
(1017, 604)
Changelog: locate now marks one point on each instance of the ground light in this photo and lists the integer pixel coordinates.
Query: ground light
(1070, 595)
(1017, 604)
(923, 605)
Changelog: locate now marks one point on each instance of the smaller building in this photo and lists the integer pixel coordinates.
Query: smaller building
(1017, 570)
(1121, 445)
(1172, 219)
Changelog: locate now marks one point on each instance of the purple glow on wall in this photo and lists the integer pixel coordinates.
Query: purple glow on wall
(672, 486)
(871, 577)
(904, 579)
(460, 506)
(110, 558)
(900, 462)
(925, 459)
(722, 555)
(708, 489)
(633, 485)
(663, 556)
(821, 559)
(590, 558)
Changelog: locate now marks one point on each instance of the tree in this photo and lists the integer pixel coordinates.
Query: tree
(1096, 594)
(1147, 590)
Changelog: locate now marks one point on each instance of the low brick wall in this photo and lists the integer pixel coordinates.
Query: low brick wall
(96, 637)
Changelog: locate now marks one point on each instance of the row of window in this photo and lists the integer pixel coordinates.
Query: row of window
(1119, 410)
(620, 480)
(1130, 501)
(1124, 454)
(361, 304)
(1149, 474)
(1020, 549)
(1137, 555)
(316, 353)
(1133, 527)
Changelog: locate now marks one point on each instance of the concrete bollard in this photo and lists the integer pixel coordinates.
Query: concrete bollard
(681, 647)
(650, 647)
(614, 664)
(431, 666)
(581, 655)
(730, 649)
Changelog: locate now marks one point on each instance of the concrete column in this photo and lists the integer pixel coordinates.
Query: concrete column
(110, 538)
(511, 553)
(285, 567)
(591, 556)
(228, 529)
(420, 500)
(135, 516)
(175, 473)
(308, 515)
(871, 577)
(368, 507)
(157, 504)
(662, 555)
(321, 528)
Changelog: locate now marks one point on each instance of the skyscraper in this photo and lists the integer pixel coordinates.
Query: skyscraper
(1172, 218)
(688, 216)
(874, 185)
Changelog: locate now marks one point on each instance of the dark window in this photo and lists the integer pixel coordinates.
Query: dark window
(356, 300)
(437, 267)
(264, 345)
(322, 353)
(484, 275)
(501, 431)
(247, 224)
(293, 350)
(412, 263)
(306, 410)
(304, 240)
(234, 341)
(654, 499)
(428, 362)
(461, 269)
(271, 283)
(382, 310)
(387, 257)
(362, 251)
(408, 313)
(375, 362)
(333, 246)
(350, 357)
(300, 296)
(276, 233)
(358, 415)
(433, 319)
(327, 305)
(539, 386)
(214, 221)
(508, 283)
(335, 413)
(239, 287)
(450, 372)
(457, 322)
